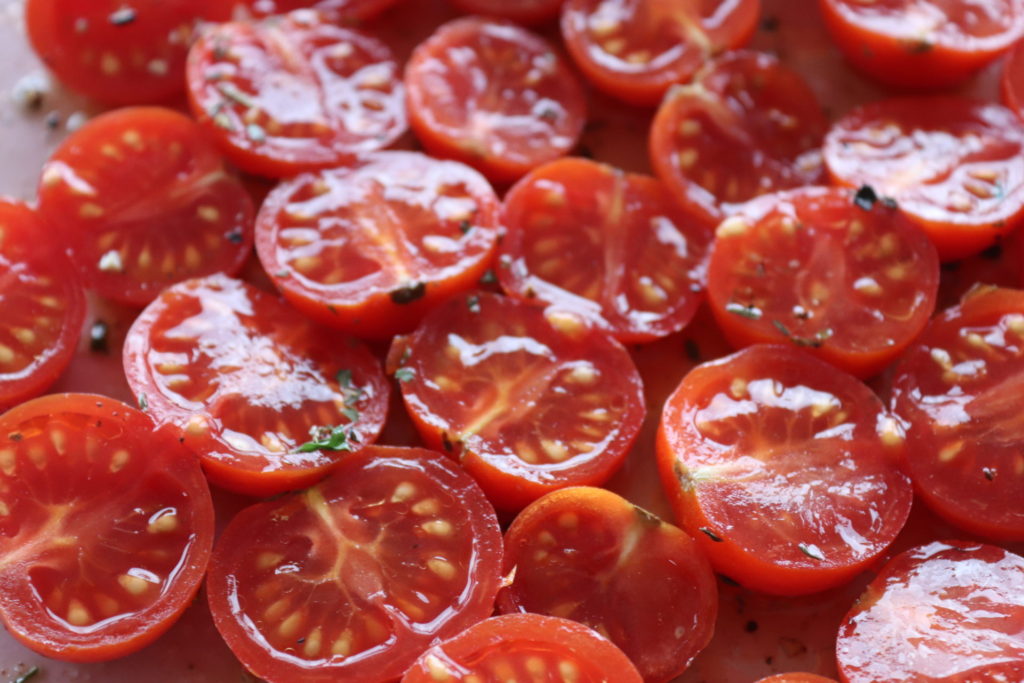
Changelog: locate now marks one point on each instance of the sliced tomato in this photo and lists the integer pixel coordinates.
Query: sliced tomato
(352, 579)
(143, 199)
(746, 126)
(609, 244)
(105, 527)
(590, 555)
(370, 250)
(528, 400)
(796, 677)
(636, 49)
(845, 276)
(955, 166)
(520, 647)
(295, 93)
(337, 10)
(923, 43)
(783, 468)
(494, 96)
(944, 611)
(521, 11)
(43, 307)
(269, 400)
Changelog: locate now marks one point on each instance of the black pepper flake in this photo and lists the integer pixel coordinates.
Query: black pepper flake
(919, 47)
(865, 197)
(473, 302)
(692, 350)
(235, 237)
(750, 626)
(446, 442)
(989, 472)
(123, 16)
(409, 293)
(993, 253)
(15, 436)
(99, 337)
(770, 24)
(52, 120)
(585, 151)
(465, 226)
(732, 582)
(488, 278)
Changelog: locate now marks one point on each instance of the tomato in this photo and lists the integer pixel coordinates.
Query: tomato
(944, 611)
(521, 11)
(513, 647)
(370, 250)
(955, 166)
(295, 93)
(923, 43)
(43, 307)
(143, 200)
(116, 52)
(494, 96)
(268, 400)
(592, 556)
(343, 10)
(844, 276)
(105, 527)
(783, 468)
(528, 400)
(352, 579)
(746, 126)
(796, 677)
(998, 265)
(1011, 83)
(636, 49)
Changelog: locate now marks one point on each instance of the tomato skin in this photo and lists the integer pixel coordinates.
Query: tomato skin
(527, 12)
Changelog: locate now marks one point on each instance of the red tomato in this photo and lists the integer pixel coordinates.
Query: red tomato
(923, 43)
(636, 49)
(143, 199)
(747, 126)
(295, 93)
(353, 579)
(842, 275)
(516, 646)
(343, 10)
(528, 400)
(589, 555)
(521, 11)
(43, 307)
(796, 677)
(955, 166)
(105, 527)
(1011, 85)
(268, 400)
(958, 390)
(117, 52)
(609, 244)
(370, 250)
(783, 468)
(945, 611)
(494, 96)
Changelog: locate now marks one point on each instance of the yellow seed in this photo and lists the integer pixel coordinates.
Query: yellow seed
(59, 441)
(890, 433)
(108, 606)
(312, 645)
(193, 259)
(569, 671)
(442, 567)
(566, 322)
(689, 128)
(437, 527)
(535, 666)
(24, 335)
(686, 158)
(118, 460)
(568, 520)
(977, 341)
(556, 450)
(437, 669)
(90, 210)
(403, 492)
(78, 615)
(584, 373)
(614, 46)
(132, 138)
(343, 645)
(6, 354)
(208, 213)
(276, 609)
(109, 64)
(4, 510)
(1016, 324)
(731, 227)
(738, 387)
(949, 452)
(427, 506)
(290, 626)
(941, 356)
(165, 523)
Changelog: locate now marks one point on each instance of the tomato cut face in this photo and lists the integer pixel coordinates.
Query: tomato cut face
(589, 555)
(269, 400)
(636, 49)
(945, 611)
(494, 96)
(845, 276)
(144, 201)
(337, 10)
(783, 468)
(116, 52)
(522, 647)
(295, 93)
(352, 579)
(528, 400)
(609, 244)
(105, 527)
(370, 250)
(958, 389)
(521, 11)
(955, 166)
(43, 307)
(747, 126)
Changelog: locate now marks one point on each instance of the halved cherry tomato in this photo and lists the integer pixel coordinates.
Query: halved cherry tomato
(783, 468)
(494, 96)
(796, 677)
(352, 579)
(119, 52)
(268, 400)
(338, 10)
(746, 126)
(528, 400)
(958, 388)
(105, 527)
(370, 250)
(609, 244)
(636, 49)
(945, 611)
(295, 93)
(589, 555)
(43, 307)
(955, 166)
(521, 647)
(143, 199)
(844, 276)
(923, 43)
(520, 11)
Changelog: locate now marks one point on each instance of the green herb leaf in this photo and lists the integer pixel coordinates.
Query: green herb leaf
(404, 374)
(143, 402)
(465, 226)
(473, 302)
(28, 675)
(748, 312)
(711, 534)
(345, 378)
(339, 438)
